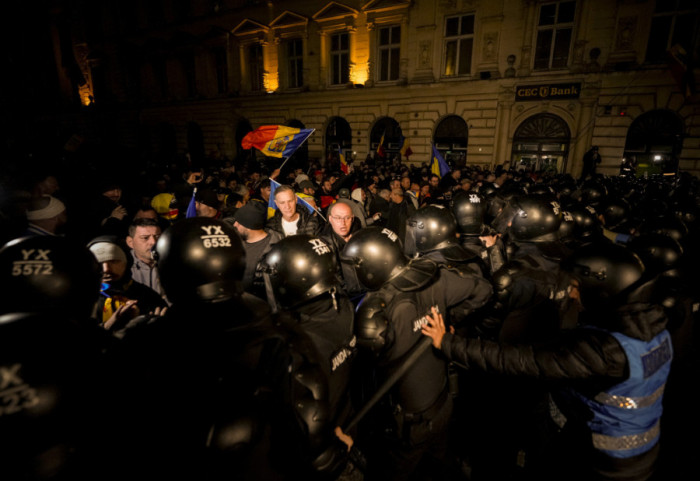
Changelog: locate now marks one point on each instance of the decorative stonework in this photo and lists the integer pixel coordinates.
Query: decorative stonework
(490, 41)
(424, 49)
(626, 31)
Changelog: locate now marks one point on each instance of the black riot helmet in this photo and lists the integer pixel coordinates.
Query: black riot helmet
(615, 212)
(567, 227)
(669, 226)
(48, 274)
(376, 254)
(587, 225)
(659, 252)
(593, 193)
(536, 220)
(469, 210)
(371, 323)
(300, 268)
(200, 259)
(542, 189)
(607, 273)
(432, 227)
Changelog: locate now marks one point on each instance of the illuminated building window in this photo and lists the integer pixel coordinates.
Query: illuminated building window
(555, 28)
(675, 23)
(389, 52)
(295, 63)
(255, 61)
(459, 43)
(340, 58)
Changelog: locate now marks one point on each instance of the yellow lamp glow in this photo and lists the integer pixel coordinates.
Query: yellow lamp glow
(359, 73)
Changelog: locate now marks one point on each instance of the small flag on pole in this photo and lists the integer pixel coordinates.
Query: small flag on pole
(192, 207)
(343, 162)
(438, 166)
(405, 147)
(276, 140)
(380, 150)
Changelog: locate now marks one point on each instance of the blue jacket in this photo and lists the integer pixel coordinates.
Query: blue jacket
(626, 417)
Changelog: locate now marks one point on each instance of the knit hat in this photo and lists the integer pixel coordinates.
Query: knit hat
(107, 251)
(307, 184)
(165, 205)
(357, 195)
(208, 197)
(252, 215)
(300, 178)
(52, 209)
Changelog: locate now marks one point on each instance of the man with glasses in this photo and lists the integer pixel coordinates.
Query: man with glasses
(342, 224)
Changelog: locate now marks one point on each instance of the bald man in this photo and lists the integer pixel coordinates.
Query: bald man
(342, 224)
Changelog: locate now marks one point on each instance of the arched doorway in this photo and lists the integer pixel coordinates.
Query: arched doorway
(654, 142)
(451, 137)
(388, 128)
(541, 143)
(338, 136)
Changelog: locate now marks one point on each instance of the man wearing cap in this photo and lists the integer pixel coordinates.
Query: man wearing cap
(122, 298)
(45, 216)
(109, 216)
(207, 204)
(249, 221)
(166, 206)
(307, 187)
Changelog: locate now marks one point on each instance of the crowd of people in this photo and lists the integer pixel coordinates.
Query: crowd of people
(211, 320)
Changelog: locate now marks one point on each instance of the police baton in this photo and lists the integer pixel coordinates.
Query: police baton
(410, 359)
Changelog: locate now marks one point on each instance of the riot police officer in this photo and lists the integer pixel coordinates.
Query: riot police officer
(219, 387)
(303, 278)
(420, 406)
(431, 232)
(608, 418)
(51, 362)
(469, 210)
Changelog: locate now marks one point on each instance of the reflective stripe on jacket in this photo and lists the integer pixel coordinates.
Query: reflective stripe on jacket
(626, 417)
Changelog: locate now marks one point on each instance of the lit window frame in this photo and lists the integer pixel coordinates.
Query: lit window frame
(294, 63)
(341, 76)
(458, 40)
(674, 13)
(391, 49)
(554, 28)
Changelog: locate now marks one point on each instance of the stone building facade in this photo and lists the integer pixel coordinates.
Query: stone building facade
(529, 82)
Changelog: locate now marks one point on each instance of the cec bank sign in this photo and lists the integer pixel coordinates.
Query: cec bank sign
(548, 91)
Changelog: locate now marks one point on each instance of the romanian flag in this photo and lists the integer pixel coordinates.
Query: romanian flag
(272, 206)
(438, 166)
(343, 163)
(380, 150)
(276, 140)
(405, 147)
